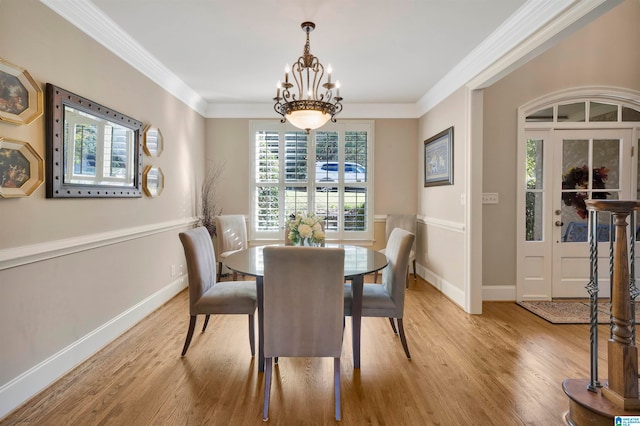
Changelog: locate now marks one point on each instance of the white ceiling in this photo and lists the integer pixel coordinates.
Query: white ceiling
(214, 54)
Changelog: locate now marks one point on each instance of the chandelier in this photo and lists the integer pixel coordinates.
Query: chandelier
(306, 107)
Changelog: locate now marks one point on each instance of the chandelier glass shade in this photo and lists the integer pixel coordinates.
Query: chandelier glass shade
(305, 101)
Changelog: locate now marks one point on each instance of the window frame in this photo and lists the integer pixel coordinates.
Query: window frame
(365, 236)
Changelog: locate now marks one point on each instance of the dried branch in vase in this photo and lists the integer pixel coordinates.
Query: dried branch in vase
(208, 193)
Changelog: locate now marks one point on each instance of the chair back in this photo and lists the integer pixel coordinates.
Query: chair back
(408, 222)
(231, 232)
(394, 275)
(303, 301)
(201, 263)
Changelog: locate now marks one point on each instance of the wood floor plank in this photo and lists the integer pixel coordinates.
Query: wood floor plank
(505, 366)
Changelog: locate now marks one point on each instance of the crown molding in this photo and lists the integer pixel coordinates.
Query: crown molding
(528, 32)
(351, 111)
(85, 16)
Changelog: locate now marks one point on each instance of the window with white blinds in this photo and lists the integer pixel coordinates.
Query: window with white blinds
(328, 172)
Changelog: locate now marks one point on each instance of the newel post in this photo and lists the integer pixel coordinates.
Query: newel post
(590, 404)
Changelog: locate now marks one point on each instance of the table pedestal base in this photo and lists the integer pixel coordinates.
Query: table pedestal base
(590, 408)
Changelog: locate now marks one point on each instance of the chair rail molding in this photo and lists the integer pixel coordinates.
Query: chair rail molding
(448, 225)
(23, 255)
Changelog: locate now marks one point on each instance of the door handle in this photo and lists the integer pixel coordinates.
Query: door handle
(559, 223)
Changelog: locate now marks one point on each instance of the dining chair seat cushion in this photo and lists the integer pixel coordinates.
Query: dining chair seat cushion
(228, 297)
(375, 301)
(228, 253)
(412, 253)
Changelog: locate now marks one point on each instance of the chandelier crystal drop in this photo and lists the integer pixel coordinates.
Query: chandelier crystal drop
(302, 101)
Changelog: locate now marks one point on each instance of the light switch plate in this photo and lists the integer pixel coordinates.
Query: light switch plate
(490, 198)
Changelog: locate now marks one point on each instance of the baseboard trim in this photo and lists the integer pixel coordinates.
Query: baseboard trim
(499, 293)
(19, 390)
(445, 287)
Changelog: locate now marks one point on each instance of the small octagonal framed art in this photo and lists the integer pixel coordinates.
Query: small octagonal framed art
(20, 96)
(21, 169)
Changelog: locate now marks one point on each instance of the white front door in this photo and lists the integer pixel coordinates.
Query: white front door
(587, 164)
(573, 146)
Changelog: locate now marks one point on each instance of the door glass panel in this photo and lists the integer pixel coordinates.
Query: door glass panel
(534, 216)
(606, 164)
(630, 114)
(534, 164)
(572, 112)
(575, 160)
(534, 183)
(543, 115)
(575, 227)
(603, 112)
(573, 217)
(579, 183)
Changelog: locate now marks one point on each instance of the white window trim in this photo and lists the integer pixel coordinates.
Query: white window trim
(341, 127)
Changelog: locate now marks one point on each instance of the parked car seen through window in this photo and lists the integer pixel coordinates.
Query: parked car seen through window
(329, 172)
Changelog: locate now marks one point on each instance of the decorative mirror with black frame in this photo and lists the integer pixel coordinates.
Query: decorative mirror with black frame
(92, 151)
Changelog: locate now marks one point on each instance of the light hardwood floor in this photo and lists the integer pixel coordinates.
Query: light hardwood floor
(504, 367)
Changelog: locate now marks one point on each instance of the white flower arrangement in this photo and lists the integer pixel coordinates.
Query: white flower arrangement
(306, 229)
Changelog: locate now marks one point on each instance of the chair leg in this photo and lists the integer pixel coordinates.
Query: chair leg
(336, 385)
(235, 276)
(219, 271)
(414, 270)
(375, 277)
(267, 388)
(192, 326)
(252, 336)
(403, 338)
(393, 326)
(206, 321)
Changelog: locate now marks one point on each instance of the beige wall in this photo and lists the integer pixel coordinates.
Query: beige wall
(89, 260)
(605, 53)
(395, 177)
(441, 239)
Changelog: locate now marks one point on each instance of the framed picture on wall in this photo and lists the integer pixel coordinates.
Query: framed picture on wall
(438, 159)
(21, 169)
(20, 96)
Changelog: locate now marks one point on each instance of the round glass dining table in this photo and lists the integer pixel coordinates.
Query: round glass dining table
(358, 261)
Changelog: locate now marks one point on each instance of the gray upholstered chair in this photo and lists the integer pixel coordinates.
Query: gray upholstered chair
(387, 300)
(206, 296)
(407, 222)
(231, 236)
(303, 308)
